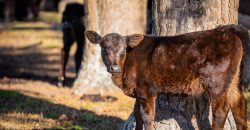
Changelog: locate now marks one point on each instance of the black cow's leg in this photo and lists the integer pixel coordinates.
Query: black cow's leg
(79, 35)
(138, 118)
(220, 108)
(67, 42)
(147, 109)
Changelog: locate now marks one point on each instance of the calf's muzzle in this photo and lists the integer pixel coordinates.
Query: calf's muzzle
(114, 69)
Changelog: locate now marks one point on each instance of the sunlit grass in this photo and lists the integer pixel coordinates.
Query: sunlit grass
(34, 109)
(30, 25)
(17, 36)
(17, 120)
(46, 31)
(50, 17)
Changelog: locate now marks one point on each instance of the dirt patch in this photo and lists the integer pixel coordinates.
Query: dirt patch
(99, 98)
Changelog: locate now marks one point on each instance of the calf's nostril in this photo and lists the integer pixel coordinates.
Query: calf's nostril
(111, 68)
(114, 68)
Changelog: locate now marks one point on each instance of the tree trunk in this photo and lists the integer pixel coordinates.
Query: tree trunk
(107, 16)
(174, 17)
(244, 20)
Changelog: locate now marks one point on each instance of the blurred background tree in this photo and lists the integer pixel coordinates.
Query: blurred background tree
(23, 10)
(244, 12)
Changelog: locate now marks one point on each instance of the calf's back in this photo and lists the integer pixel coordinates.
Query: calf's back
(185, 64)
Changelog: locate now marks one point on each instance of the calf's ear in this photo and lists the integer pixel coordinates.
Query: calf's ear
(134, 40)
(94, 37)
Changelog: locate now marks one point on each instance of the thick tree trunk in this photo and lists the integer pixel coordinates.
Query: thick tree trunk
(174, 17)
(107, 16)
(244, 20)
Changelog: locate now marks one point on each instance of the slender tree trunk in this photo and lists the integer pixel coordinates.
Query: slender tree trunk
(107, 16)
(174, 17)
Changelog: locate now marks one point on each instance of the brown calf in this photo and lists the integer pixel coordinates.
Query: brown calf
(209, 61)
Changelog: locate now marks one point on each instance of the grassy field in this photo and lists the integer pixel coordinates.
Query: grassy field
(29, 97)
(37, 105)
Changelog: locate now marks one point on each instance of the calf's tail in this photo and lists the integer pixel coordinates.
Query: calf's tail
(242, 33)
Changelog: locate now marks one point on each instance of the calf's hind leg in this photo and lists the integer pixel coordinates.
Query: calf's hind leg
(238, 107)
(220, 109)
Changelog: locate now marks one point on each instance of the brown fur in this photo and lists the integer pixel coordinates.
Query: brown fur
(190, 64)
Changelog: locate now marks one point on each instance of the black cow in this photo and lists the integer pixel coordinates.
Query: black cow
(73, 30)
(11, 10)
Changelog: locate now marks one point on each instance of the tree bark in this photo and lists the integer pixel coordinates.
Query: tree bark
(244, 20)
(107, 16)
(173, 17)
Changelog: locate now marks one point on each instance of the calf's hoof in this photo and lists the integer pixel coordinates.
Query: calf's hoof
(61, 82)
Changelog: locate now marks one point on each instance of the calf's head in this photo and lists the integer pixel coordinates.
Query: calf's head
(114, 48)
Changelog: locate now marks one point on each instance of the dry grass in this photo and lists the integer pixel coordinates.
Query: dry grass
(23, 34)
(33, 104)
(29, 97)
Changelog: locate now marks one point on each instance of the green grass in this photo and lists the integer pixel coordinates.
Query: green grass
(8, 94)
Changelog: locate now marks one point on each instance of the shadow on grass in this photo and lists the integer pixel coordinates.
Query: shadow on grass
(66, 117)
(32, 63)
(99, 98)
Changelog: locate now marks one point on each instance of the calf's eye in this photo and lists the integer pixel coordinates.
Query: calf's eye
(104, 51)
(123, 52)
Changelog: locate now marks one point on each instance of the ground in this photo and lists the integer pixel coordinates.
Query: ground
(29, 95)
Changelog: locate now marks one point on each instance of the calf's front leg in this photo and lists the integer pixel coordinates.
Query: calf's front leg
(138, 118)
(147, 109)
